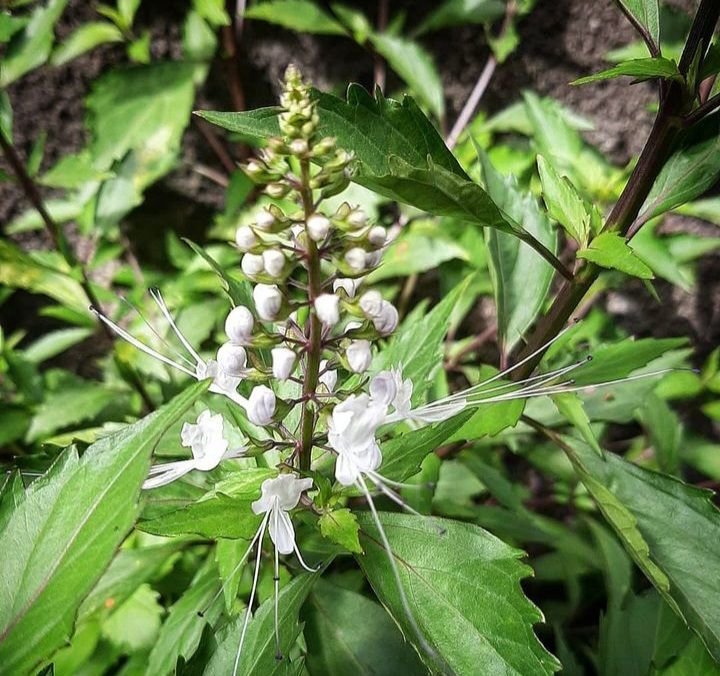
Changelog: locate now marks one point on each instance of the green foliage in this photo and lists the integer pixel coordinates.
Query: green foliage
(612, 251)
(640, 69)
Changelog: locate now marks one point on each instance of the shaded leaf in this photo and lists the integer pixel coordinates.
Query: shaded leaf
(454, 12)
(85, 38)
(302, 16)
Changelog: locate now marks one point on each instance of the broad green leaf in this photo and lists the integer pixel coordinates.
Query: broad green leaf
(708, 209)
(403, 455)
(180, 633)
(228, 554)
(341, 526)
(454, 12)
(513, 262)
(414, 65)
(347, 633)
(563, 202)
(54, 343)
(302, 16)
(216, 517)
(134, 626)
(258, 654)
(490, 419)
(85, 38)
(31, 48)
(610, 250)
(63, 534)
(463, 588)
(647, 14)
(671, 529)
(693, 167)
(640, 69)
(21, 271)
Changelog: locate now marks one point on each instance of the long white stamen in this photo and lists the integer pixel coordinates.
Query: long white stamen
(397, 484)
(139, 345)
(240, 563)
(156, 333)
(397, 499)
(276, 580)
(250, 601)
(157, 297)
(396, 573)
(309, 569)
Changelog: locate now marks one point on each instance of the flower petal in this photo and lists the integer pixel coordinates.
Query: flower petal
(282, 532)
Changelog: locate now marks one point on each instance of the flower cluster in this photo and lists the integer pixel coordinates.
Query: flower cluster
(311, 318)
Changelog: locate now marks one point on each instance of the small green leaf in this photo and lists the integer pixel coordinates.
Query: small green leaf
(563, 202)
(341, 526)
(610, 250)
(85, 38)
(571, 407)
(640, 69)
(647, 14)
(455, 12)
(302, 16)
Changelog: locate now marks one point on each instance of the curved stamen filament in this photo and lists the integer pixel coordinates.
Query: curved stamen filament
(157, 297)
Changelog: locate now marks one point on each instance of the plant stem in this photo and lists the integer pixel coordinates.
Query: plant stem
(314, 345)
(231, 51)
(665, 129)
(472, 103)
(379, 69)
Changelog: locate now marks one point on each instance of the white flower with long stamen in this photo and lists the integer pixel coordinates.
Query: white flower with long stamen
(206, 439)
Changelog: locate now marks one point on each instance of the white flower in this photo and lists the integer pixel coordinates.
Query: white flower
(371, 303)
(268, 301)
(328, 377)
(245, 238)
(357, 218)
(351, 434)
(252, 264)
(389, 389)
(327, 308)
(273, 262)
(350, 286)
(279, 496)
(283, 362)
(239, 325)
(387, 319)
(222, 382)
(261, 406)
(318, 227)
(232, 359)
(373, 258)
(299, 146)
(208, 445)
(359, 356)
(377, 236)
(264, 220)
(356, 258)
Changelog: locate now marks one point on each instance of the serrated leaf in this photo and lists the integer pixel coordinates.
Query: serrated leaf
(463, 587)
(610, 250)
(640, 69)
(347, 633)
(59, 539)
(259, 653)
(341, 526)
(302, 16)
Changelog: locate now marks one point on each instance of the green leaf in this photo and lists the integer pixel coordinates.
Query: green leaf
(454, 12)
(139, 50)
(341, 526)
(463, 587)
(302, 16)
(135, 624)
(693, 167)
(127, 10)
(640, 69)
(180, 633)
(610, 250)
(213, 11)
(647, 14)
(85, 38)
(258, 655)
(414, 65)
(9, 25)
(63, 534)
(671, 529)
(563, 202)
(571, 407)
(54, 343)
(513, 262)
(228, 554)
(347, 633)
(490, 419)
(31, 48)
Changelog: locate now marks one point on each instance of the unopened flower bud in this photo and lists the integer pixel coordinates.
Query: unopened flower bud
(239, 325)
(357, 218)
(252, 264)
(356, 259)
(387, 319)
(373, 258)
(327, 309)
(324, 146)
(277, 190)
(318, 227)
(359, 356)
(283, 362)
(371, 303)
(273, 262)
(350, 286)
(245, 238)
(255, 170)
(377, 236)
(264, 220)
(328, 377)
(299, 146)
(232, 359)
(261, 405)
(268, 301)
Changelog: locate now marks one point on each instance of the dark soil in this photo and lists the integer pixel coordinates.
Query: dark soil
(560, 41)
